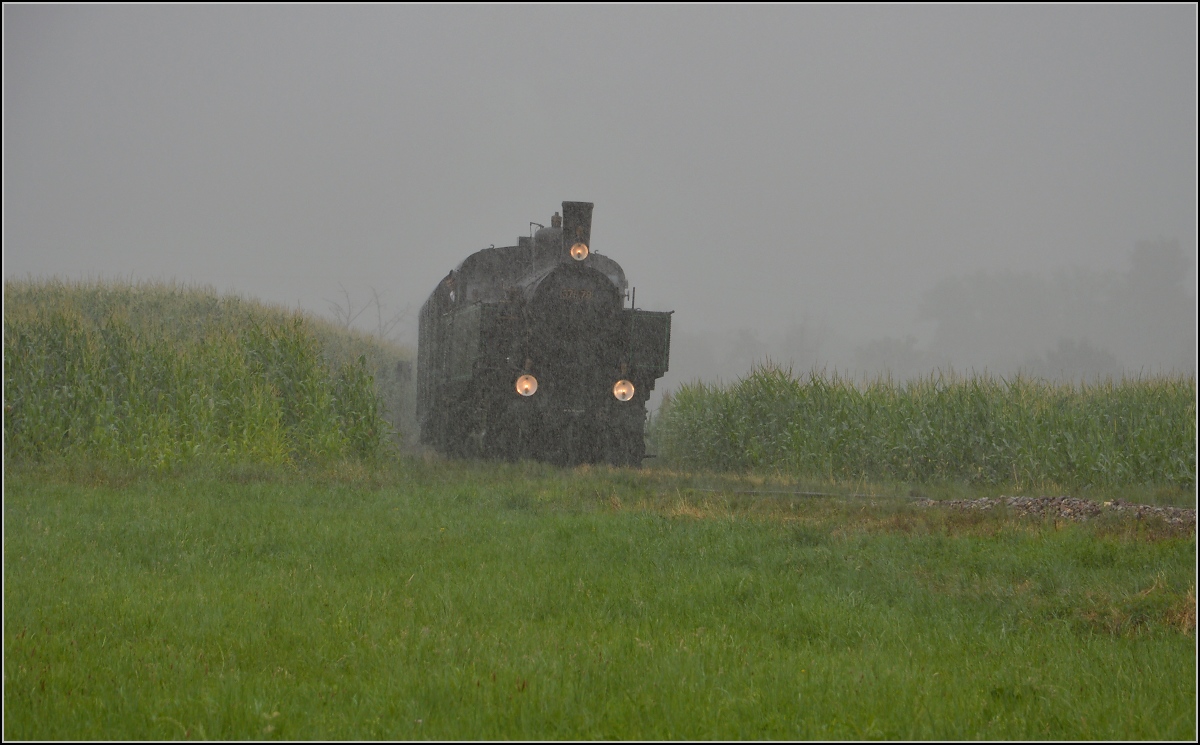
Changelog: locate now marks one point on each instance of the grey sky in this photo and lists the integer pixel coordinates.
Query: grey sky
(751, 167)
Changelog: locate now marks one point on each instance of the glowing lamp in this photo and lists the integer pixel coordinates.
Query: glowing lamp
(527, 385)
(579, 251)
(623, 390)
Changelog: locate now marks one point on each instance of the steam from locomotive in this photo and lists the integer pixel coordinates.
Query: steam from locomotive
(529, 351)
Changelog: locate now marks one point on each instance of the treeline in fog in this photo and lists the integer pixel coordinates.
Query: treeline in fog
(1070, 325)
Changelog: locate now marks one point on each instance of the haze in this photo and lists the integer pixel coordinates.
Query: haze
(851, 187)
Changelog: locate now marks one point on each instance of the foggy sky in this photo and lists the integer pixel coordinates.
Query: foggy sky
(753, 168)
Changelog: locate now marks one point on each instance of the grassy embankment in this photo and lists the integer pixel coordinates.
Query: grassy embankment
(1018, 433)
(236, 591)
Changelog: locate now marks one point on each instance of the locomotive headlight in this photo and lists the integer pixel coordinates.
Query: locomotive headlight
(527, 385)
(579, 251)
(623, 390)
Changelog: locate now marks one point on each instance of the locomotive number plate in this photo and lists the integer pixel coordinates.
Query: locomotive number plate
(570, 293)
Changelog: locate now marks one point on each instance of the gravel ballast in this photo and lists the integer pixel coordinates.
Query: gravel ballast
(1072, 508)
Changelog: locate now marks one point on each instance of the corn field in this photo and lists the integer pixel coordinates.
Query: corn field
(980, 430)
(159, 375)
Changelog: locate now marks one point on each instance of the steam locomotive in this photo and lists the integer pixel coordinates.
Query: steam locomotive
(530, 351)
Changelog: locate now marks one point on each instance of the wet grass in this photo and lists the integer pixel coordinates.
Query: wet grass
(445, 600)
(164, 376)
(986, 431)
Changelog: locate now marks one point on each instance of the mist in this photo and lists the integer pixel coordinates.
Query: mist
(1077, 324)
(860, 188)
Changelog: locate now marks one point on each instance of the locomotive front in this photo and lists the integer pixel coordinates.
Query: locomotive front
(529, 351)
(584, 406)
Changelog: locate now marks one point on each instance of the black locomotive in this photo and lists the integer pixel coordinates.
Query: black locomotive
(529, 351)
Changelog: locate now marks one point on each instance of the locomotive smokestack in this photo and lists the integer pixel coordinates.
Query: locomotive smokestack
(577, 224)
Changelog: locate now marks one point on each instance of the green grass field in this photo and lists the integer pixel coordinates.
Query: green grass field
(451, 600)
(208, 534)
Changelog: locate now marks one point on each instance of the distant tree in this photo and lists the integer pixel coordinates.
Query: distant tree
(1074, 360)
(386, 322)
(1144, 319)
(1157, 317)
(801, 345)
(891, 357)
(744, 350)
(1158, 265)
(990, 320)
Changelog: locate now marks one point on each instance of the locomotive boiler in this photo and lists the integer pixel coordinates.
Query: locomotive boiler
(532, 351)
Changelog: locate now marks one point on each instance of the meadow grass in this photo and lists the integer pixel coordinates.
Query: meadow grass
(980, 430)
(205, 537)
(162, 375)
(449, 600)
